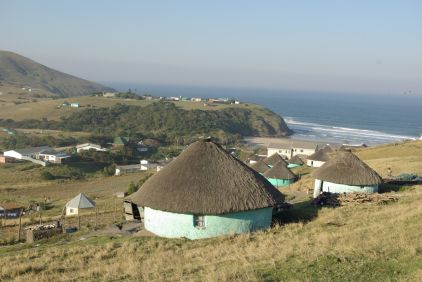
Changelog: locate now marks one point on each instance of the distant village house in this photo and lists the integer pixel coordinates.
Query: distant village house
(89, 146)
(10, 210)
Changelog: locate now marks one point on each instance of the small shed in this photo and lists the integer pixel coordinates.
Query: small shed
(10, 210)
(280, 175)
(79, 202)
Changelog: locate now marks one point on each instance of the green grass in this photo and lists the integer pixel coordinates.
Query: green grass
(48, 108)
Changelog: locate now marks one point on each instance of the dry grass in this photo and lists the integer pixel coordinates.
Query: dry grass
(401, 158)
(366, 242)
(359, 243)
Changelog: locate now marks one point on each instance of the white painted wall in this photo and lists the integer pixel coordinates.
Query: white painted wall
(91, 147)
(13, 154)
(326, 186)
(71, 211)
(314, 163)
(290, 152)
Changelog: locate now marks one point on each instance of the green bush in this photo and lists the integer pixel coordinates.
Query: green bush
(46, 175)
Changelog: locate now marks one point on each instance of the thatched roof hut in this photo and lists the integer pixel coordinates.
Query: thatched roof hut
(274, 159)
(260, 167)
(321, 155)
(346, 168)
(280, 171)
(205, 179)
(296, 160)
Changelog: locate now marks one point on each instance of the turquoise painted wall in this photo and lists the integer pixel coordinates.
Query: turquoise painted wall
(176, 225)
(342, 188)
(280, 182)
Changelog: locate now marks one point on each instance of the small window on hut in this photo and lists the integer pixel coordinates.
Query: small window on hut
(199, 221)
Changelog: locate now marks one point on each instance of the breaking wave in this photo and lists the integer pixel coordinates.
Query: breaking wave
(315, 131)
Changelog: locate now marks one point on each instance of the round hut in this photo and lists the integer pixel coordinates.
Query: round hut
(280, 175)
(295, 161)
(260, 167)
(345, 173)
(318, 158)
(274, 159)
(206, 192)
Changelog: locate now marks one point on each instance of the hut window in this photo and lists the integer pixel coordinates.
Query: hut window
(199, 221)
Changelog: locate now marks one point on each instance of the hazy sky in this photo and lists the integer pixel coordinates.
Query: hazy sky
(344, 46)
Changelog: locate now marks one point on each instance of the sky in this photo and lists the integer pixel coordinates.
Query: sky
(372, 47)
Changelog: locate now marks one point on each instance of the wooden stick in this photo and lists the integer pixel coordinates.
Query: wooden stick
(20, 225)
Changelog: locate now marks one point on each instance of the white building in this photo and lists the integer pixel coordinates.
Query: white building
(52, 156)
(123, 169)
(32, 152)
(293, 148)
(79, 202)
(319, 157)
(89, 146)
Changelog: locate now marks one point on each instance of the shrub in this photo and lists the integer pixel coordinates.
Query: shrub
(132, 188)
(46, 175)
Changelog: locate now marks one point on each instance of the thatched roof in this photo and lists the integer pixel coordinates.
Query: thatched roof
(280, 171)
(273, 159)
(321, 155)
(260, 166)
(205, 179)
(346, 168)
(296, 160)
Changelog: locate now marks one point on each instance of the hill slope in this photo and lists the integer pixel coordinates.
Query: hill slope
(19, 71)
(159, 119)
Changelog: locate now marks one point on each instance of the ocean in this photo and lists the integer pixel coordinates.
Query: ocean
(345, 118)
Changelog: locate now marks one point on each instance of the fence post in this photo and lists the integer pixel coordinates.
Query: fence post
(20, 225)
(114, 214)
(96, 218)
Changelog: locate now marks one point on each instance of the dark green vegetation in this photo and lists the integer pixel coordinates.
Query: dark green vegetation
(18, 71)
(167, 122)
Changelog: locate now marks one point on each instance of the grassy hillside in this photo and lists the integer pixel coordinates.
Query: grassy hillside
(48, 108)
(352, 243)
(366, 242)
(18, 71)
(130, 117)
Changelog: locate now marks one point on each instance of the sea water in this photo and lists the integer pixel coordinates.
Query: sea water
(341, 117)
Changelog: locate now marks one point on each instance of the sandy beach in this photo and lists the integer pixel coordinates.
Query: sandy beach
(265, 141)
